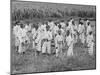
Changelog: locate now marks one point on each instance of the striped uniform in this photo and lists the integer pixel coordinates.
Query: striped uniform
(90, 43)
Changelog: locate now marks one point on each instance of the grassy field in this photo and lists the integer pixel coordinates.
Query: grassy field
(28, 62)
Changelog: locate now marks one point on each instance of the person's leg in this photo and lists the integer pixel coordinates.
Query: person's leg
(70, 50)
(33, 45)
(57, 51)
(44, 47)
(60, 48)
(16, 44)
(39, 46)
(55, 42)
(82, 38)
(20, 47)
(91, 49)
(49, 47)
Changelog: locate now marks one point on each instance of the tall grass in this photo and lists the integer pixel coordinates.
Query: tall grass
(26, 13)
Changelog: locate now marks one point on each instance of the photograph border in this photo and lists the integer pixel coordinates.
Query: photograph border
(53, 3)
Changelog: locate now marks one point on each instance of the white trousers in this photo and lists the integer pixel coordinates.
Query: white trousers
(55, 41)
(58, 49)
(33, 44)
(39, 46)
(20, 47)
(82, 38)
(46, 47)
(70, 50)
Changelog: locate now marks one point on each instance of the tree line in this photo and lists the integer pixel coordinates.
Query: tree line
(27, 13)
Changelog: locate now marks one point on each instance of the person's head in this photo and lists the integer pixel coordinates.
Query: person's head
(67, 24)
(62, 21)
(80, 19)
(59, 26)
(81, 23)
(33, 25)
(17, 22)
(46, 23)
(59, 32)
(50, 20)
(73, 22)
(68, 32)
(88, 23)
(21, 25)
(36, 26)
(56, 23)
(71, 18)
(90, 33)
(85, 19)
(47, 27)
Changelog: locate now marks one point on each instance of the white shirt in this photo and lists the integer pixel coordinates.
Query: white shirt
(90, 39)
(69, 40)
(59, 38)
(89, 29)
(38, 38)
(51, 24)
(62, 24)
(34, 33)
(15, 30)
(87, 22)
(55, 29)
(81, 28)
(47, 35)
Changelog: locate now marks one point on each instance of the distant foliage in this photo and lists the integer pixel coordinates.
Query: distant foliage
(19, 14)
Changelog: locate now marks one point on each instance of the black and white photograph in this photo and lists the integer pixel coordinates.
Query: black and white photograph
(52, 37)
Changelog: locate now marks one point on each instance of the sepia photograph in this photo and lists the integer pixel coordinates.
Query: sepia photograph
(52, 37)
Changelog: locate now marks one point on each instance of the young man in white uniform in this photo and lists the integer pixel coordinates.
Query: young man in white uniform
(62, 33)
(63, 24)
(75, 31)
(55, 32)
(69, 41)
(89, 28)
(39, 38)
(72, 28)
(51, 24)
(20, 36)
(87, 22)
(81, 30)
(46, 39)
(15, 32)
(59, 39)
(34, 33)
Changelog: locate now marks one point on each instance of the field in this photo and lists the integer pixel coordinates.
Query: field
(28, 62)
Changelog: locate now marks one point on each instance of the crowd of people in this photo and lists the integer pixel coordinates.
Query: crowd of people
(62, 33)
